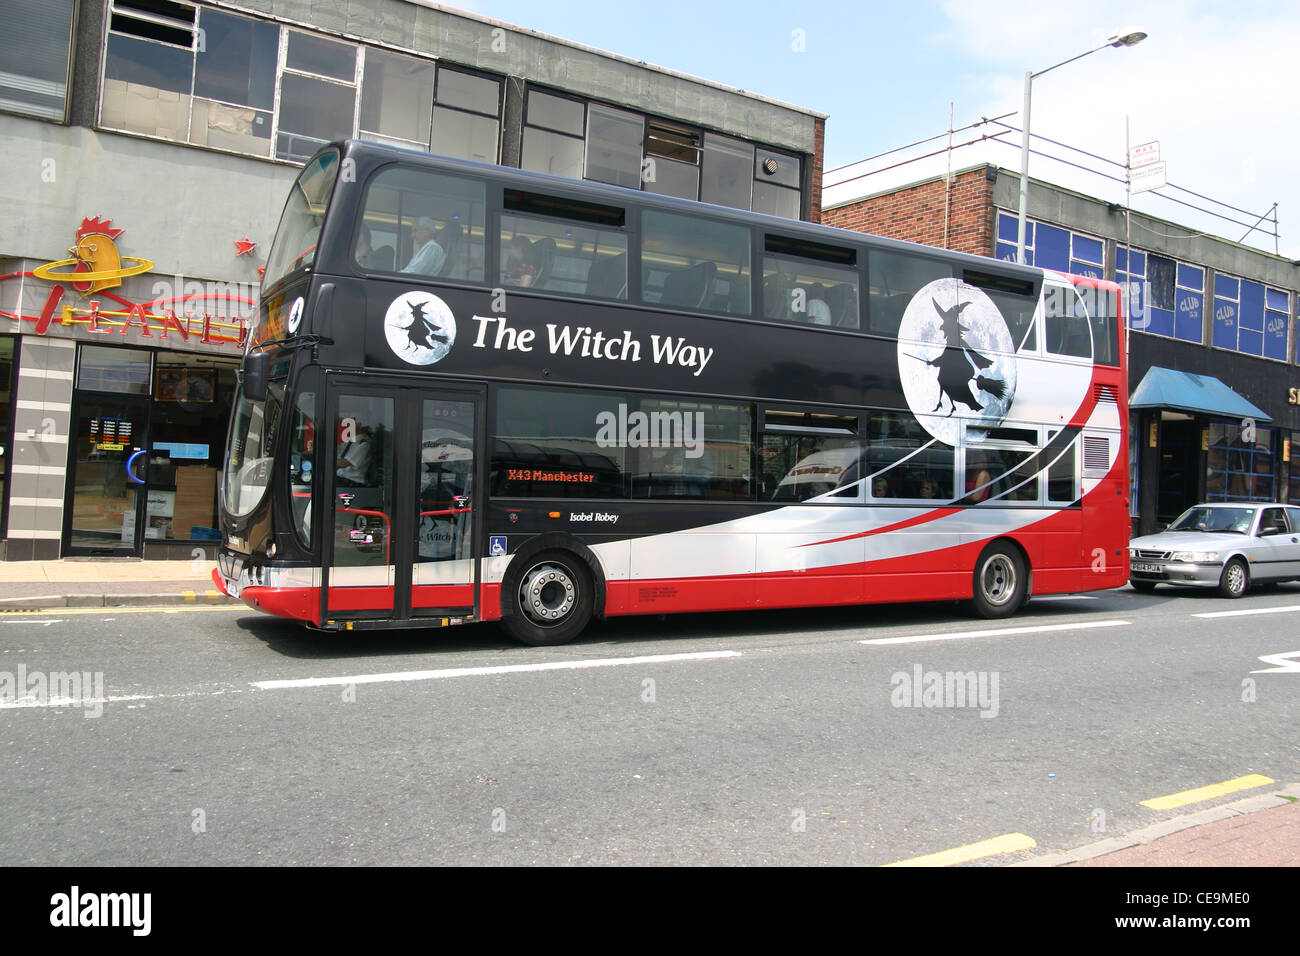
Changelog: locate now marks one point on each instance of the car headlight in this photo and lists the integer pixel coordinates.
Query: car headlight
(1197, 557)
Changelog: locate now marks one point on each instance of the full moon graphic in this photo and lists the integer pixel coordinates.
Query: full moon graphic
(956, 360)
(420, 328)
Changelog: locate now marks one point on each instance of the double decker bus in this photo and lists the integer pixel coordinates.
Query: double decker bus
(476, 393)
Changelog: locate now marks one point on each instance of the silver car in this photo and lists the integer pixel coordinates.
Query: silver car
(1229, 546)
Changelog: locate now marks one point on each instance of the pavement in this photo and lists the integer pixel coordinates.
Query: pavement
(1256, 831)
(106, 582)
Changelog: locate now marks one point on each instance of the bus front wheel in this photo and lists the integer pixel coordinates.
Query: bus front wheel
(1000, 582)
(551, 599)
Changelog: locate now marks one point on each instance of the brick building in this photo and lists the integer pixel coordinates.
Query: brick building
(1214, 358)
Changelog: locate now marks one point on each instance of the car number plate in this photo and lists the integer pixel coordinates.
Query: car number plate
(1146, 568)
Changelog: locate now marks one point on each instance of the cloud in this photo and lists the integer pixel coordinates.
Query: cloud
(1213, 85)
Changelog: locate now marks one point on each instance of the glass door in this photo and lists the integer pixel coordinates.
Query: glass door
(443, 566)
(403, 494)
(108, 477)
(360, 561)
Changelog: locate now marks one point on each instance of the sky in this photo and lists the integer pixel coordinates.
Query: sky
(1214, 83)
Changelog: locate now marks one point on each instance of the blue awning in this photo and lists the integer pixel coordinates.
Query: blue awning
(1199, 394)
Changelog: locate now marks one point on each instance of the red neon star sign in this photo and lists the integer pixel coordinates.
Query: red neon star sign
(244, 247)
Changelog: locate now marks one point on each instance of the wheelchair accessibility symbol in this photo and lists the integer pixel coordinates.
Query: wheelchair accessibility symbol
(497, 544)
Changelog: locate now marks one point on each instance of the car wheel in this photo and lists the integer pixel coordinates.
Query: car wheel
(550, 599)
(1235, 579)
(1146, 587)
(1000, 582)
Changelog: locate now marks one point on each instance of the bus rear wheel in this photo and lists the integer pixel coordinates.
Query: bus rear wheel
(1000, 582)
(550, 599)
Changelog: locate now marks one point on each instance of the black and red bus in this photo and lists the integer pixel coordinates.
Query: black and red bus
(476, 393)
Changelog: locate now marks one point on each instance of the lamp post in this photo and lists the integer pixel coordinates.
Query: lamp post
(1130, 36)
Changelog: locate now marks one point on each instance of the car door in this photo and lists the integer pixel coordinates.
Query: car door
(1277, 547)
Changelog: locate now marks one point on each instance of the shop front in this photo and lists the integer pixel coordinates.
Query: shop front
(1194, 439)
(117, 384)
(147, 429)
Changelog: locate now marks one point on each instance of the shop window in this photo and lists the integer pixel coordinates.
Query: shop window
(397, 97)
(146, 87)
(1008, 235)
(614, 140)
(234, 83)
(778, 179)
(726, 171)
(236, 63)
(128, 371)
(466, 119)
(34, 48)
(776, 200)
(468, 91)
(553, 135)
(148, 68)
(188, 424)
(1238, 469)
(1189, 319)
(312, 54)
(1086, 257)
(316, 103)
(163, 20)
(1277, 322)
(672, 166)
(1247, 319)
(1051, 247)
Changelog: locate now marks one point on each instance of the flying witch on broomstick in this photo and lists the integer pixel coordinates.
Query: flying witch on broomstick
(958, 363)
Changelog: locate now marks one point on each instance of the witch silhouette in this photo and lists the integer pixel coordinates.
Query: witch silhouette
(959, 363)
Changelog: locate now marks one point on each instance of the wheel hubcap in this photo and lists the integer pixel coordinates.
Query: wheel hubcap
(998, 580)
(547, 594)
(1236, 578)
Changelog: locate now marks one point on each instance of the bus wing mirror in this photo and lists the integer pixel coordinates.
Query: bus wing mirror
(255, 378)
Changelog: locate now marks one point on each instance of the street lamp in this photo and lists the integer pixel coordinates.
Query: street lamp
(1129, 36)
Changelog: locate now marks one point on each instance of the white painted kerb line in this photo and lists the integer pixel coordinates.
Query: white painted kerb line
(489, 671)
(996, 632)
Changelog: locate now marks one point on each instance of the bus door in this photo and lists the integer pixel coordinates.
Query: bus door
(402, 540)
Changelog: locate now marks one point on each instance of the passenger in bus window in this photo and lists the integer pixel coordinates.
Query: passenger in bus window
(978, 486)
(819, 313)
(429, 253)
(519, 267)
(368, 257)
(929, 489)
(352, 464)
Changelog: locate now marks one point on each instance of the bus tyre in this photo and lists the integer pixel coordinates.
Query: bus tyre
(1000, 582)
(550, 597)
(1235, 579)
